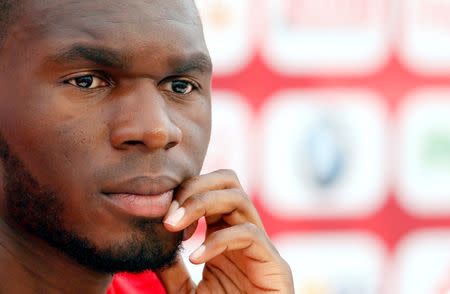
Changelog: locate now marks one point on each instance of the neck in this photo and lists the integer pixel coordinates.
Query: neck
(30, 265)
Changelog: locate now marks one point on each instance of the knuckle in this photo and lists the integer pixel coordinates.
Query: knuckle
(197, 202)
(285, 264)
(251, 228)
(233, 175)
(232, 178)
(228, 173)
(201, 199)
(214, 237)
(242, 197)
(225, 171)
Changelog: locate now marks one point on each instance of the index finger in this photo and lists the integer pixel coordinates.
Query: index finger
(217, 180)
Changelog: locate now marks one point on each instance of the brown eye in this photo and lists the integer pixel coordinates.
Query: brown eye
(181, 87)
(87, 82)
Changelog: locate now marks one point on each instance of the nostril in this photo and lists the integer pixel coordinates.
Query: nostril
(133, 142)
(137, 142)
(170, 145)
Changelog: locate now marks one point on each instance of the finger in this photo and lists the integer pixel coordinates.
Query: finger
(190, 230)
(217, 180)
(232, 205)
(247, 237)
(256, 258)
(176, 278)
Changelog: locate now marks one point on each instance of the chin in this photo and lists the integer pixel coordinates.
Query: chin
(150, 247)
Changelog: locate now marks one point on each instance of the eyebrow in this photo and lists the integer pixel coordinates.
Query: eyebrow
(107, 57)
(99, 55)
(200, 62)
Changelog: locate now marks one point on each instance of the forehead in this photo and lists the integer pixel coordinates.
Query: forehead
(133, 25)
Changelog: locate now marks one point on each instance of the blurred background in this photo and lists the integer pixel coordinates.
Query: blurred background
(336, 116)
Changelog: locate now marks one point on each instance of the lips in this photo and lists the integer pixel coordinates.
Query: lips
(141, 185)
(141, 196)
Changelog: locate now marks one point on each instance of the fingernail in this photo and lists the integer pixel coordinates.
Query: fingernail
(197, 254)
(174, 218)
(174, 206)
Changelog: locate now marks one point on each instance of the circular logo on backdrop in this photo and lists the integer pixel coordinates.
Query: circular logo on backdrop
(324, 153)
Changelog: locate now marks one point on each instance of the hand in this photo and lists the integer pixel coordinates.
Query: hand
(238, 255)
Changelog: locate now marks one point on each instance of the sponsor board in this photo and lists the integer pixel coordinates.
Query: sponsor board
(231, 136)
(423, 169)
(328, 263)
(327, 36)
(422, 264)
(425, 36)
(324, 153)
(228, 32)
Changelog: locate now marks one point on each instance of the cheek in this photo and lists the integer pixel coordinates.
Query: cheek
(33, 130)
(196, 134)
(79, 148)
(56, 150)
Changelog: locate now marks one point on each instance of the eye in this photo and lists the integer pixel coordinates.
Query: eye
(87, 82)
(182, 87)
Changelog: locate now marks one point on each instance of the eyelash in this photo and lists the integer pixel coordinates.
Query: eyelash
(95, 75)
(195, 86)
(110, 83)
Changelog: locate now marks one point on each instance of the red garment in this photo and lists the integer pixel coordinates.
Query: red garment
(126, 283)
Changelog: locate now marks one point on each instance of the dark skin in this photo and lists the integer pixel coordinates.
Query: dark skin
(109, 98)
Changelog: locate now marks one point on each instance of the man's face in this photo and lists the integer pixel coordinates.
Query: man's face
(100, 101)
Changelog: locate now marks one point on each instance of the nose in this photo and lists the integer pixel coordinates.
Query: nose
(143, 119)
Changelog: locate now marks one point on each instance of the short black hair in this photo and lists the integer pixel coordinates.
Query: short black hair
(8, 14)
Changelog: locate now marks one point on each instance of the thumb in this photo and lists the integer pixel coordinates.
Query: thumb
(176, 278)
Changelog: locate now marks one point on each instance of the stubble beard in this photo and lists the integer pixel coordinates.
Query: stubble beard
(38, 210)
